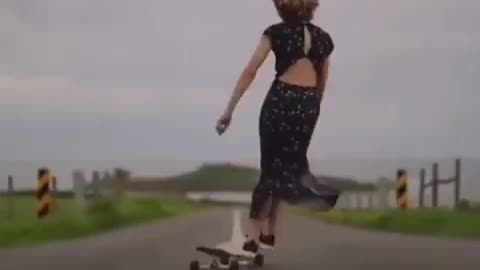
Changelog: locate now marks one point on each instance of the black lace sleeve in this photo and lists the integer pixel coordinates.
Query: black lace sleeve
(268, 32)
(329, 46)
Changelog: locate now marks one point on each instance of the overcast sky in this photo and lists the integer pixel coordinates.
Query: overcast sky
(125, 79)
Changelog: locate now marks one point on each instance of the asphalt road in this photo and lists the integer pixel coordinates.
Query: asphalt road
(304, 243)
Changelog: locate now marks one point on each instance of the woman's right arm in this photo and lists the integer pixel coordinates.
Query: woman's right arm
(249, 72)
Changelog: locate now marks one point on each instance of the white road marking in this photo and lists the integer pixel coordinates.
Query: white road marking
(237, 237)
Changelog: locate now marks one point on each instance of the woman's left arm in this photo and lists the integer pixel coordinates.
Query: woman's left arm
(322, 77)
(248, 74)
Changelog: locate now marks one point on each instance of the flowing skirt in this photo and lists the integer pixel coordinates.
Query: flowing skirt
(287, 120)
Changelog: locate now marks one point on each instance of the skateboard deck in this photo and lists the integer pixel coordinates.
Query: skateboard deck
(224, 258)
(227, 255)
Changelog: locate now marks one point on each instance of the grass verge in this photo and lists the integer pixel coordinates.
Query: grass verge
(446, 223)
(24, 229)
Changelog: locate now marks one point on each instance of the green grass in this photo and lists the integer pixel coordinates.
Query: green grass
(67, 223)
(421, 222)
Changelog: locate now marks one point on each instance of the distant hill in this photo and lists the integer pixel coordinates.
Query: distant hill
(216, 177)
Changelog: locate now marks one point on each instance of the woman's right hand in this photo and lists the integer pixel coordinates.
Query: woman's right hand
(223, 123)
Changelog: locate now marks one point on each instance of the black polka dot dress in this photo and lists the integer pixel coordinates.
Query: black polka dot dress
(287, 120)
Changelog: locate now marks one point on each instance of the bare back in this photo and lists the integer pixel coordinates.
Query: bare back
(300, 51)
(302, 72)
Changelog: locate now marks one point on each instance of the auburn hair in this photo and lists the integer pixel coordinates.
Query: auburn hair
(296, 11)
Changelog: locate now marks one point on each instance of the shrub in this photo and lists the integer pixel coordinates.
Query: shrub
(103, 213)
(464, 204)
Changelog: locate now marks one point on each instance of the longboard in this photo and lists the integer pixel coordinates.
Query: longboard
(221, 258)
(227, 255)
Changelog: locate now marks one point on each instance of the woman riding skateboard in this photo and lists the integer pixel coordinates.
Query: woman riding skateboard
(287, 118)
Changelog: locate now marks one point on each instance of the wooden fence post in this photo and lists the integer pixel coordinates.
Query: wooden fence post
(347, 201)
(435, 185)
(54, 193)
(370, 200)
(79, 189)
(95, 184)
(382, 193)
(120, 180)
(421, 197)
(54, 185)
(436, 181)
(11, 198)
(457, 180)
(358, 196)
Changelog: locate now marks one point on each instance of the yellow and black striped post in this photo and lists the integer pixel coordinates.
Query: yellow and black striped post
(402, 190)
(43, 193)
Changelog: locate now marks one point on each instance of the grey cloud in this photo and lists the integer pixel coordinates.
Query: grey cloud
(403, 77)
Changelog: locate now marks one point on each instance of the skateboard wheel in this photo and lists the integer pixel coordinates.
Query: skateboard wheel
(194, 265)
(258, 260)
(234, 266)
